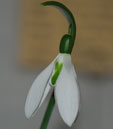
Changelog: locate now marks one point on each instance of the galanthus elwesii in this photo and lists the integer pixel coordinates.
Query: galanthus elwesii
(60, 76)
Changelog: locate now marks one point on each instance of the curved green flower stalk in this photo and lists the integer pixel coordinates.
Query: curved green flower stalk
(59, 76)
(67, 40)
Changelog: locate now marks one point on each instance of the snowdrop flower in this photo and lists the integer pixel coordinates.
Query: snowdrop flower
(60, 75)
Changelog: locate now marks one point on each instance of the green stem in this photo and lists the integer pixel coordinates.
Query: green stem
(67, 41)
(48, 112)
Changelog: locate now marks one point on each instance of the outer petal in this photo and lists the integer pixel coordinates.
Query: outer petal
(67, 93)
(73, 69)
(38, 91)
(48, 87)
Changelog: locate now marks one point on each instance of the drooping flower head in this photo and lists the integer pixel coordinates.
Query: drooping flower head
(60, 75)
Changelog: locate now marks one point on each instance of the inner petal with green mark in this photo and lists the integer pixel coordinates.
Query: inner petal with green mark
(56, 72)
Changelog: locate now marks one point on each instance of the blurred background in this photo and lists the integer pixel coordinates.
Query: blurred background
(29, 40)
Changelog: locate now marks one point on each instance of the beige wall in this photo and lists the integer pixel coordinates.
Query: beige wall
(43, 27)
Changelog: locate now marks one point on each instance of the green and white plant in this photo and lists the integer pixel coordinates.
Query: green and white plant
(60, 76)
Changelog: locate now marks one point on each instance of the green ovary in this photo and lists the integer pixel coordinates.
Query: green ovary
(58, 68)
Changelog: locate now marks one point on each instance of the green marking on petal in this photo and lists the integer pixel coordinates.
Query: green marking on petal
(58, 68)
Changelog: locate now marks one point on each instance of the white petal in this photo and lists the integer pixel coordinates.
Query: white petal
(38, 91)
(48, 87)
(67, 93)
(74, 72)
